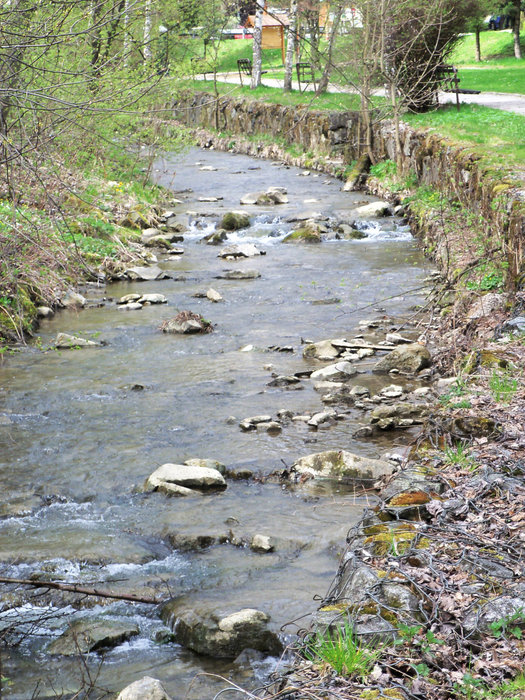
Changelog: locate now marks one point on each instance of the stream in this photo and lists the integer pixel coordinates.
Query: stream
(81, 430)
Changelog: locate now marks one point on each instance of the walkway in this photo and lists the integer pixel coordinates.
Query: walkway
(506, 101)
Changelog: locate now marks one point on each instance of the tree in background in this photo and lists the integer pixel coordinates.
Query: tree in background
(476, 22)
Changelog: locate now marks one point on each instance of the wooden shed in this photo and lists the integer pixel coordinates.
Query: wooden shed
(273, 29)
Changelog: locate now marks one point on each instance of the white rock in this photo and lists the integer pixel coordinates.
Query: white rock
(127, 298)
(208, 168)
(130, 306)
(191, 477)
(242, 250)
(365, 352)
(73, 300)
(261, 543)
(340, 370)
(152, 299)
(44, 312)
(213, 295)
(396, 338)
(144, 689)
(320, 418)
(393, 391)
(374, 209)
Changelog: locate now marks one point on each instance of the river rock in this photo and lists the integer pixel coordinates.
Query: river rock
(323, 350)
(372, 210)
(150, 232)
(225, 636)
(323, 417)
(405, 358)
(234, 220)
(261, 544)
(338, 371)
(215, 238)
(152, 299)
(251, 423)
(127, 298)
(85, 636)
(189, 477)
(44, 312)
(71, 342)
(145, 274)
(393, 391)
(303, 235)
(396, 338)
(242, 250)
(159, 241)
(239, 275)
(207, 463)
(146, 688)
(341, 465)
(186, 322)
(73, 300)
(130, 306)
(213, 295)
(399, 415)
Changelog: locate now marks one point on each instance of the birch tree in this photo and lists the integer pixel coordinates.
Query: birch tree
(257, 46)
(290, 45)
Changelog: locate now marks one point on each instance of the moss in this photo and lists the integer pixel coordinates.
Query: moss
(303, 234)
(394, 542)
(502, 187)
(410, 498)
(336, 607)
(385, 693)
(375, 529)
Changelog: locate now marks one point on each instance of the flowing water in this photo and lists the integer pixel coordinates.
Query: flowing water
(78, 439)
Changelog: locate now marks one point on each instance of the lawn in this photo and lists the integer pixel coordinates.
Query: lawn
(499, 71)
(496, 135)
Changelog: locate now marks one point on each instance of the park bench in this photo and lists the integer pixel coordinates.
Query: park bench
(245, 67)
(305, 75)
(448, 81)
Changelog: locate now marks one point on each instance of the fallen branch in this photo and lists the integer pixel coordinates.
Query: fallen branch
(73, 588)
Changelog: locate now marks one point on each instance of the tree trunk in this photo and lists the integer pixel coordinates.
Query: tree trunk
(517, 23)
(323, 83)
(478, 45)
(290, 46)
(147, 31)
(127, 41)
(257, 46)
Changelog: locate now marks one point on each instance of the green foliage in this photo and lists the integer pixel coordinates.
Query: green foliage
(460, 456)
(503, 386)
(490, 275)
(497, 48)
(457, 389)
(472, 688)
(509, 626)
(342, 652)
(385, 168)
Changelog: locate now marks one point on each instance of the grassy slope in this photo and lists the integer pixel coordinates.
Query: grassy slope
(499, 71)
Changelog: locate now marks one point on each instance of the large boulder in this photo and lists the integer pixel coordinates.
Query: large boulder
(146, 688)
(405, 358)
(341, 465)
(187, 476)
(224, 636)
(234, 220)
(84, 636)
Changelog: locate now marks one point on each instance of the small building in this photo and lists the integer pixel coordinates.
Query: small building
(273, 29)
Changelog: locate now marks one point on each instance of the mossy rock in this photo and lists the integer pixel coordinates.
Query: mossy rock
(385, 693)
(395, 541)
(233, 221)
(410, 498)
(303, 235)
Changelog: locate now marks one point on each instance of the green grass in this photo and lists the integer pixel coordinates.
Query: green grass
(327, 101)
(342, 652)
(496, 135)
(494, 46)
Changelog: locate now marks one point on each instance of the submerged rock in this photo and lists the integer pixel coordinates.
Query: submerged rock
(342, 465)
(146, 688)
(239, 275)
(84, 636)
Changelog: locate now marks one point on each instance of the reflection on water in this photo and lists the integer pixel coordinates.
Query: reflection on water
(77, 442)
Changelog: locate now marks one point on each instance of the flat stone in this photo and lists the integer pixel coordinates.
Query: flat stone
(341, 465)
(372, 210)
(323, 417)
(241, 250)
(85, 636)
(146, 274)
(338, 371)
(130, 306)
(152, 299)
(127, 298)
(191, 477)
(71, 342)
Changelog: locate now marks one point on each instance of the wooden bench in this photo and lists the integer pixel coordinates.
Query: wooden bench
(245, 67)
(448, 81)
(305, 75)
